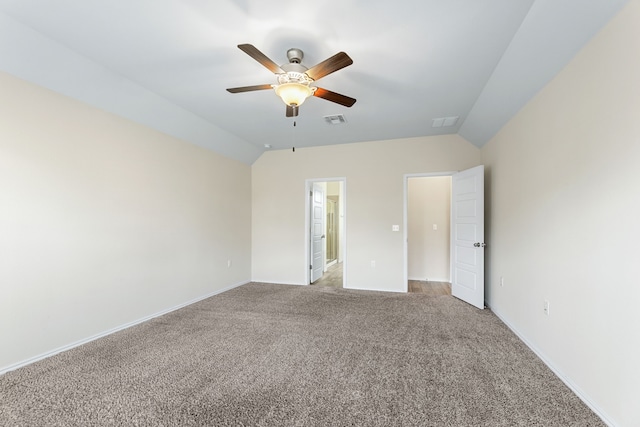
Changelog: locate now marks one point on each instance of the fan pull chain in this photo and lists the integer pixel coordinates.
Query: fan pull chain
(293, 137)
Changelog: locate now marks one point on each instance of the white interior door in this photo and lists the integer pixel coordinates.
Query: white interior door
(317, 232)
(467, 236)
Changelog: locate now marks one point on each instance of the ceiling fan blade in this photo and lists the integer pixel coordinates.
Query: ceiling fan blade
(334, 97)
(249, 88)
(253, 52)
(291, 111)
(330, 65)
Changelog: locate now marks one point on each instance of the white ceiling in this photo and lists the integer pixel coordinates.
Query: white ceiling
(166, 63)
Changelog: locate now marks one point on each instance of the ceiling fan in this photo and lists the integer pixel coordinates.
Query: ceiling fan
(294, 79)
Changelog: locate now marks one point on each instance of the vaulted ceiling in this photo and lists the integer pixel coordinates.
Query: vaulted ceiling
(166, 63)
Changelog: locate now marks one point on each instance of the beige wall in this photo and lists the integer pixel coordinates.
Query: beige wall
(374, 200)
(429, 203)
(104, 222)
(563, 207)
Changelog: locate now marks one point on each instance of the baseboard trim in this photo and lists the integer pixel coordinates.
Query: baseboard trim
(430, 279)
(566, 380)
(266, 282)
(53, 352)
(375, 290)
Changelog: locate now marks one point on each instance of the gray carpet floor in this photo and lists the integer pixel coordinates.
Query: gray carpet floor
(277, 355)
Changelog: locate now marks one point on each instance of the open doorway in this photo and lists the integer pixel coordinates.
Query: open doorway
(466, 234)
(325, 232)
(428, 227)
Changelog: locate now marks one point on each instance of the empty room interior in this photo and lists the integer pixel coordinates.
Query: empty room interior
(147, 168)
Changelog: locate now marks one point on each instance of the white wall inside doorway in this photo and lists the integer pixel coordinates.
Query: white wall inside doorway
(428, 228)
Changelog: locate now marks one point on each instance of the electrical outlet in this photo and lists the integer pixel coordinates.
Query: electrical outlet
(373, 264)
(228, 263)
(546, 307)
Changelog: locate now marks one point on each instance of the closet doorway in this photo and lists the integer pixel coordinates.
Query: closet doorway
(428, 217)
(465, 232)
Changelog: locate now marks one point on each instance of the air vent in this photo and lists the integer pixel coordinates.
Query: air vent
(444, 122)
(337, 119)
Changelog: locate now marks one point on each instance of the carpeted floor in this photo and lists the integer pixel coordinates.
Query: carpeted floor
(277, 355)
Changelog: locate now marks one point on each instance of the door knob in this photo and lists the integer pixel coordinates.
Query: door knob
(479, 245)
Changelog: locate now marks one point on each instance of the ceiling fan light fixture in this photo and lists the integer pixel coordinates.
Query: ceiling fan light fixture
(295, 79)
(294, 94)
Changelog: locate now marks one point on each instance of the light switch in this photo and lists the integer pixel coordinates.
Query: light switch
(435, 226)
(395, 228)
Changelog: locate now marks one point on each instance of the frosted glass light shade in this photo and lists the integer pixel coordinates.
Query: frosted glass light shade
(293, 94)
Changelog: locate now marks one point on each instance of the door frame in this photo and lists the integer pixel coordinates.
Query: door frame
(308, 186)
(406, 220)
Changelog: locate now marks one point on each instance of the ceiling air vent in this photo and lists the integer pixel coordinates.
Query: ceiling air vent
(337, 119)
(444, 122)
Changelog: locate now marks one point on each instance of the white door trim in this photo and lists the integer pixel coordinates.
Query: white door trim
(307, 224)
(405, 219)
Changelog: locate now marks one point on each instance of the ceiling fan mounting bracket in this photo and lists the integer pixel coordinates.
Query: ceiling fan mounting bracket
(295, 55)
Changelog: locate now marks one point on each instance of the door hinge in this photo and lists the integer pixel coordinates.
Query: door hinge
(310, 267)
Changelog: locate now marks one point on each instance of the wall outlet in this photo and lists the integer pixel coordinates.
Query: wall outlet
(546, 307)
(228, 263)
(373, 264)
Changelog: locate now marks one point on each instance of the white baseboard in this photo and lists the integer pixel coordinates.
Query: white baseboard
(375, 290)
(430, 279)
(566, 380)
(278, 283)
(31, 360)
